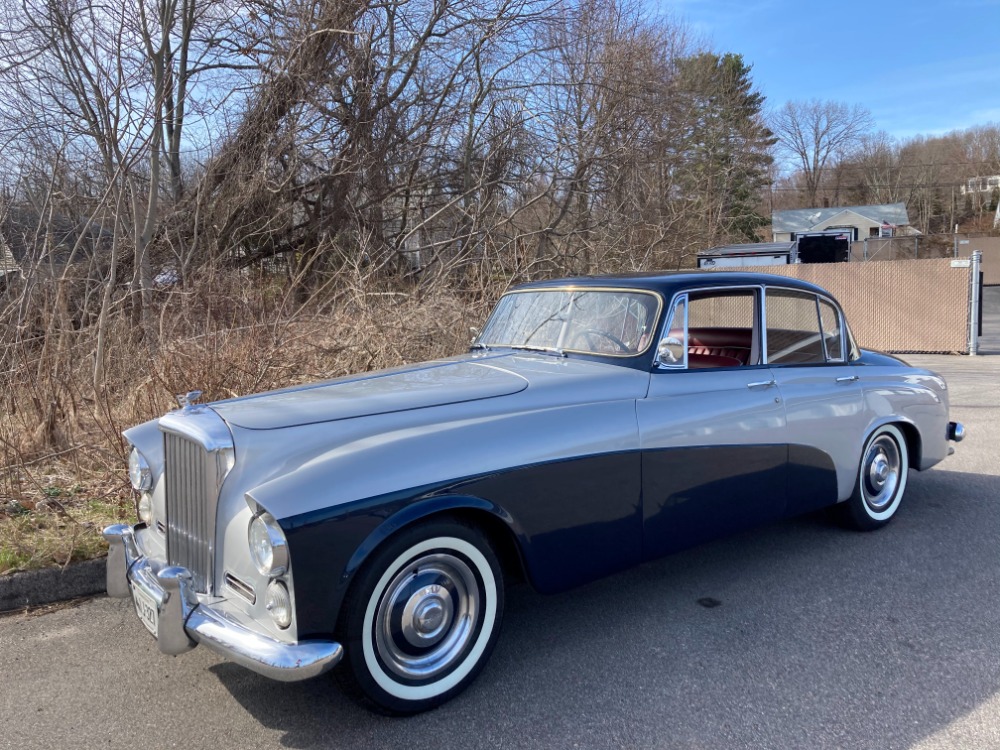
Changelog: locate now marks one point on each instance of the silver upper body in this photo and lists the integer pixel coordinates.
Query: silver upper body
(312, 448)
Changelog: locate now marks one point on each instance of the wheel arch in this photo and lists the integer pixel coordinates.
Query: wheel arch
(911, 433)
(496, 524)
(913, 441)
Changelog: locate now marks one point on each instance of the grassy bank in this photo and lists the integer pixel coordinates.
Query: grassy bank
(62, 458)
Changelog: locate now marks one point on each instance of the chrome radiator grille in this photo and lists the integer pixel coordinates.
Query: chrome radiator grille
(192, 485)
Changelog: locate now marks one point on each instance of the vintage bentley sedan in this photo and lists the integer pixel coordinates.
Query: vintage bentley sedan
(371, 522)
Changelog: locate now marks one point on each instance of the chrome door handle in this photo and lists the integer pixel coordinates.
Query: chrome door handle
(847, 379)
(762, 384)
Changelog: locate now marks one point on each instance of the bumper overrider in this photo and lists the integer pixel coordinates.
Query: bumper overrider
(182, 622)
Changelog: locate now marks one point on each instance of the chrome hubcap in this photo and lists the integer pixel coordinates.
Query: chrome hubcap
(426, 618)
(881, 473)
(427, 615)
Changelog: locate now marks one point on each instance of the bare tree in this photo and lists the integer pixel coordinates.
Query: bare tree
(816, 134)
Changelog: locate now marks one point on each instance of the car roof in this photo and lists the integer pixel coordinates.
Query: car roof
(669, 283)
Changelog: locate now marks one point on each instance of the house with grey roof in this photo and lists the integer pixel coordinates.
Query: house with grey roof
(856, 222)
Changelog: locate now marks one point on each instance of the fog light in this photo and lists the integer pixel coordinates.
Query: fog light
(144, 509)
(279, 604)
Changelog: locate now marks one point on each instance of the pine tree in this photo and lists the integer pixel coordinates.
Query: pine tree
(727, 145)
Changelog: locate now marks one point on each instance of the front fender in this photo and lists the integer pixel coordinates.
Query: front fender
(573, 521)
(328, 548)
(420, 510)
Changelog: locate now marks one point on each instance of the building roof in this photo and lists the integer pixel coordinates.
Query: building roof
(749, 248)
(804, 219)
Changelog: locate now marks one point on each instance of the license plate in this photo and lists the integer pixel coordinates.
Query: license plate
(145, 607)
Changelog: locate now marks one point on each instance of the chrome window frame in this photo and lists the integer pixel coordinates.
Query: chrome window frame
(844, 331)
(668, 324)
(842, 359)
(658, 364)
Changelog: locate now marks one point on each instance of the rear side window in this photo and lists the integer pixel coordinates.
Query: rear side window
(793, 332)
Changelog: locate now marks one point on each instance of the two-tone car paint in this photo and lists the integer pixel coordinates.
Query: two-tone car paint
(584, 465)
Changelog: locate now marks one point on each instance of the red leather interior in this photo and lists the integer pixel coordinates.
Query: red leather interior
(733, 344)
(698, 361)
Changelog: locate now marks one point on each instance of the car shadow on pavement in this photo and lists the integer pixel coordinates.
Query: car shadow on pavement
(813, 636)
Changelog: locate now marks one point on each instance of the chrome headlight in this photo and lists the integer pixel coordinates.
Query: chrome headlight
(268, 547)
(139, 473)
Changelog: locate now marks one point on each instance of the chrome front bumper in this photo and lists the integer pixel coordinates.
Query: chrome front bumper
(183, 622)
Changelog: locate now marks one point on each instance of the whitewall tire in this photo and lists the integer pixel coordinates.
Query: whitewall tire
(422, 617)
(881, 480)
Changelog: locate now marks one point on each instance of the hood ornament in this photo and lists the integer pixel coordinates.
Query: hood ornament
(187, 400)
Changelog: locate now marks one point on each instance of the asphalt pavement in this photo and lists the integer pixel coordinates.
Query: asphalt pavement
(824, 638)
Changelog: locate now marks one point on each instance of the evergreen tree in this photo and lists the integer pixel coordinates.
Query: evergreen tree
(726, 144)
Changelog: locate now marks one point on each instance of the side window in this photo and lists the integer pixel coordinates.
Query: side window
(829, 320)
(793, 330)
(712, 329)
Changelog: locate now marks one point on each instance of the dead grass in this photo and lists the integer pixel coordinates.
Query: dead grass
(62, 458)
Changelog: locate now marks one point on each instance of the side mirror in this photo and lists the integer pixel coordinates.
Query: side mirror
(671, 350)
(474, 332)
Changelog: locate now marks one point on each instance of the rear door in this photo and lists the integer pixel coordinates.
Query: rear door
(806, 350)
(711, 429)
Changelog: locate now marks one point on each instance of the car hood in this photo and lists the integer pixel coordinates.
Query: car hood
(435, 383)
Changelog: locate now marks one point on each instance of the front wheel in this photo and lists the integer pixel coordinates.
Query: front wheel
(422, 618)
(881, 480)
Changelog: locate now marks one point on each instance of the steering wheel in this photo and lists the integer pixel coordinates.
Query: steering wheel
(588, 333)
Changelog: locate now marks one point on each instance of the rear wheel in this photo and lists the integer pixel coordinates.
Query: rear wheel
(422, 617)
(881, 480)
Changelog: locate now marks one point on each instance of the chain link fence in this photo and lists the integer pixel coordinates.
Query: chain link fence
(928, 246)
(908, 306)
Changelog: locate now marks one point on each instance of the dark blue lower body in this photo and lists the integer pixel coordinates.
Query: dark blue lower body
(574, 520)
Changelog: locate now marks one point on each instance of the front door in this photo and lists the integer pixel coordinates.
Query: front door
(711, 428)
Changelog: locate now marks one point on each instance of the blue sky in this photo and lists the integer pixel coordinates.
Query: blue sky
(921, 67)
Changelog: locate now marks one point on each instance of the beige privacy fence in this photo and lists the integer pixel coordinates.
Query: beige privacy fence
(902, 306)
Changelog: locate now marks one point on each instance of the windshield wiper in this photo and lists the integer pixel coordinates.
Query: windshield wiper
(535, 348)
(478, 345)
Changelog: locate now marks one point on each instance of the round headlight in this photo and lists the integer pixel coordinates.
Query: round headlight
(139, 473)
(144, 508)
(279, 604)
(267, 545)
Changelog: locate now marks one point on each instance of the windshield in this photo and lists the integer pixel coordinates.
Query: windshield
(593, 321)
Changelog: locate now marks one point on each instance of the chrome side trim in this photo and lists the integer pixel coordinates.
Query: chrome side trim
(183, 623)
